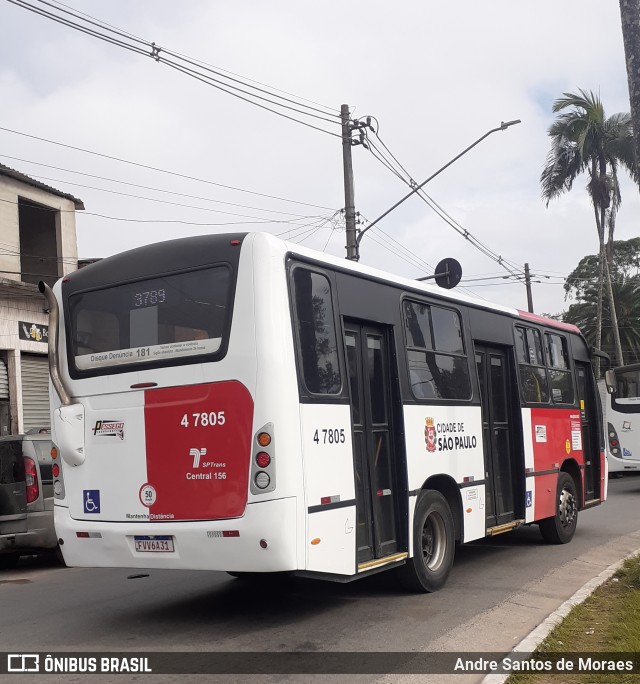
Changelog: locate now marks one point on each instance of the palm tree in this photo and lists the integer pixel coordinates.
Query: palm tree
(584, 140)
(629, 13)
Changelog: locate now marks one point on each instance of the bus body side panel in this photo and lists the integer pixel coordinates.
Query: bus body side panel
(448, 440)
(556, 435)
(276, 398)
(330, 497)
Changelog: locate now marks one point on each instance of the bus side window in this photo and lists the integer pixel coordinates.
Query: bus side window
(316, 332)
(438, 366)
(533, 374)
(560, 376)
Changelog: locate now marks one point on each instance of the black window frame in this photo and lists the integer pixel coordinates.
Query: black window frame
(116, 369)
(306, 394)
(569, 370)
(526, 328)
(410, 298)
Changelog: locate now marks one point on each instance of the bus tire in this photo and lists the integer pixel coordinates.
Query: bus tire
(433, 544)
(560, 528)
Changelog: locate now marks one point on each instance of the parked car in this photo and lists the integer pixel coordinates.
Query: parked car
(26, 496)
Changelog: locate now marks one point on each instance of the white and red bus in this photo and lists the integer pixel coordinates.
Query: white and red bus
(240, 403)
(622, 417)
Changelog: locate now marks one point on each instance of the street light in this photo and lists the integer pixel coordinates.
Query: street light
(502, 127)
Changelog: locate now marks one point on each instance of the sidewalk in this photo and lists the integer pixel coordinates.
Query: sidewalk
(505, 626)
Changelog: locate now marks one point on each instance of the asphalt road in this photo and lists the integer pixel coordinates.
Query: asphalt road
(45, 607)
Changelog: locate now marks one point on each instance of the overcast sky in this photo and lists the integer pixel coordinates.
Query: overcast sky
(436, 76)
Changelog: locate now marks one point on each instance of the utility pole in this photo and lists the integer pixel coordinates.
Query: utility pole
(527, 282)
(349, 194)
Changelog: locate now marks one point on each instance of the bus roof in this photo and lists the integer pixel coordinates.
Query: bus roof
(417, 285)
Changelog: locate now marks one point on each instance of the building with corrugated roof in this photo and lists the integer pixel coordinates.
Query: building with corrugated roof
(37, 242)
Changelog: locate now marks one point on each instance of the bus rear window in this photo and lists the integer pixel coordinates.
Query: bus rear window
(152, 320)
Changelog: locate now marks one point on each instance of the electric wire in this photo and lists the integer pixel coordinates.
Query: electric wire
(160, 170)
(155, 52)
(265, 221)
(241, 79)
(388, 160)
(155, 199)
(143, 187)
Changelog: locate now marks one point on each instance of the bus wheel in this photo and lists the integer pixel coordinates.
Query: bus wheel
(562, 526)
(433, 544)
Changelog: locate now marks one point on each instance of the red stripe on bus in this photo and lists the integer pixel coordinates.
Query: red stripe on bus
(198, 447)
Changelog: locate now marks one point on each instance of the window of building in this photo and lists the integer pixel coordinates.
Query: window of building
(438, 366)
(38, 229)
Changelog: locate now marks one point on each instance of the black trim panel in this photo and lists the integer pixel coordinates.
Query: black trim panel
(542, 472)
(464, 485)
(330, 506)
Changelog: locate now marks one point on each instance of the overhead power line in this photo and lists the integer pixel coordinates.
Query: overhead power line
(159, 170)
(257, 221)
(390, 161)
(244, 79)
(236, 87)
(143, 187)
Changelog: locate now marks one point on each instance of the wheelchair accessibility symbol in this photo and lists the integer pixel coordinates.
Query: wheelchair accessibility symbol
(529, 500)
(91, 500)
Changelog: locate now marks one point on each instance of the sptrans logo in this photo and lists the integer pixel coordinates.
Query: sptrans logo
(430, 435)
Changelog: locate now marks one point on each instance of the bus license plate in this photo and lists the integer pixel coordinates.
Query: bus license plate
(154, 544)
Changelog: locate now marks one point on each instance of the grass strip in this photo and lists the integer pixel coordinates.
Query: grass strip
(607, 622)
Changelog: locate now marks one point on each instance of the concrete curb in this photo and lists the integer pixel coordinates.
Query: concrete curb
(542, 631)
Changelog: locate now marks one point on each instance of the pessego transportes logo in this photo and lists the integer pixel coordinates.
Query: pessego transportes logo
(109, 428)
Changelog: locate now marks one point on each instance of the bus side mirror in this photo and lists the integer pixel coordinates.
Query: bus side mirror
(610, 381)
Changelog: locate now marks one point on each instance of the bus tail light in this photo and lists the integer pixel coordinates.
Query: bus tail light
(614, 442)
(56, 471)
(263, 461)
(262, 479)
(31, 480)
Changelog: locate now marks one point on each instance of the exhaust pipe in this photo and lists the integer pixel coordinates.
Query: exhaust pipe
(54, 360)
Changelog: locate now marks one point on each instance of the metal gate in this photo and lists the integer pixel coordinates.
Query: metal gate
(35, 391)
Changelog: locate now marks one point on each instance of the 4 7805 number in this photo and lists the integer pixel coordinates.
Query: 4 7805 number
(205, 419)
(329, 436)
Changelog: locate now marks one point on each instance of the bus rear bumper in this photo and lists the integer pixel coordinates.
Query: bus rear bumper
(263, 540)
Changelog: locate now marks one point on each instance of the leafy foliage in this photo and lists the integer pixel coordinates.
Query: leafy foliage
(582, 285)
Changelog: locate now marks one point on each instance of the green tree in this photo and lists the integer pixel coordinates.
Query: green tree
(627, 297)
(584, 140)
(582, 285)
(625, 266)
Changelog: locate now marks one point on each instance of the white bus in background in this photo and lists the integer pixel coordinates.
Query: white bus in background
(240, 403)
(622, 417)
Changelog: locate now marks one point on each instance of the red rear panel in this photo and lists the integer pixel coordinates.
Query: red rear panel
(198, 443)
